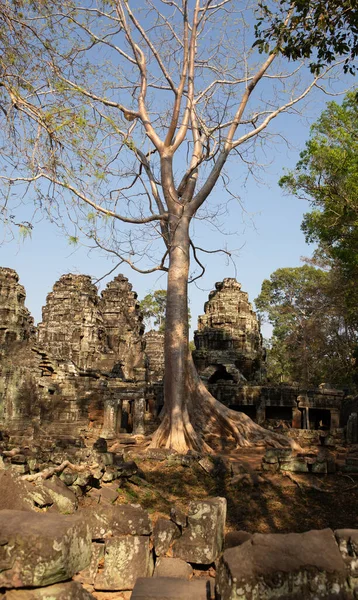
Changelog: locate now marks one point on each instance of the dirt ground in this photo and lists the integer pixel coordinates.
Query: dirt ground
(257, 502)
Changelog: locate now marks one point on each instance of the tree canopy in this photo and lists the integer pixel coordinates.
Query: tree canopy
(153, 307)
(320, 30)
(313, 311)
(313, 341)
(327, 176)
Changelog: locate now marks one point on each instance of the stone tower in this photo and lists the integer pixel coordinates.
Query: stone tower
(72, 325)
(122, 320)
(228, 341)
(16, 323)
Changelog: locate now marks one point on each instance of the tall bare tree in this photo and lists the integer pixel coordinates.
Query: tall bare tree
(119, 119)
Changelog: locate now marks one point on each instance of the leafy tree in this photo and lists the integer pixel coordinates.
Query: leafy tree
(312, 339)
(153, 306)
(118, 116)
(327, 176)
(322, 30)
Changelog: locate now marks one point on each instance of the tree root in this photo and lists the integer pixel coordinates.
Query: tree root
(203, 415)
(47, 473)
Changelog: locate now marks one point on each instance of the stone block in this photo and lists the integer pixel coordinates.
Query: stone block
(97, 554)
(295, 565)
(59, 591)
(178, 517)
(64, 499)
(173, 567)
(17, 494)
(124, 519)
(295, 465)
(109, 493)
(126, 558)
(165, 588)
(203, 539)
(164, 533)
(319, 467)
(236, 538)
(41, 549)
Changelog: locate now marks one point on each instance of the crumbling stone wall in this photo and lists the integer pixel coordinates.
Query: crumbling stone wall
(86, 371)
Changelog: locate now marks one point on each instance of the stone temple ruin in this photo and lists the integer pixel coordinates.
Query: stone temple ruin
(87, 374)
(89, 370)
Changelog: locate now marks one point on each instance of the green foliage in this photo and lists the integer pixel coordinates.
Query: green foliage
(153, 307)
(313, 340)
(327, 175)
(321, 30)
(73, 240)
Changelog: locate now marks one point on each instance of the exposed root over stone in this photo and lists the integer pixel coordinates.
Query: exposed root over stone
(47, 473)
(203, 416)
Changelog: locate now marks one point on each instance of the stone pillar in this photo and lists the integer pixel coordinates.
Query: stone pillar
(296, 418)
(352, 429)
(109, 429)
(307, 410)
(260, 412)
(138, 416)
(334, 418)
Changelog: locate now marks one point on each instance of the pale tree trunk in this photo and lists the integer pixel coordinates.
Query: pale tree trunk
(190, 411)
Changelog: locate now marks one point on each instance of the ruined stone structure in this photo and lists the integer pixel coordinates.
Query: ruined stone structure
(231, 361)
(228, 341)
(91, 371)
(72, 325)
(16, 323)
(84, 374)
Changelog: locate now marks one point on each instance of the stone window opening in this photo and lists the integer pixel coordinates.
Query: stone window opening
(221, 374)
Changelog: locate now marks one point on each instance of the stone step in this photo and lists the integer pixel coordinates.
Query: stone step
(170, 588)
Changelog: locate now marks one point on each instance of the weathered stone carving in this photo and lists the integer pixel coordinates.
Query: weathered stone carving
(16, 323)
(72, 325)
(154, 349)
(122, 320)
(228, 341)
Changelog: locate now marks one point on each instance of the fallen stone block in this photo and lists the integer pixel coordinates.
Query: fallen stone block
(164, 533)
(123, 519)
(173, 567)
(18, 494)
(125, 559)
(295, 465)
(97, 554)
(178, 517)
(203, 539)
(295, 565)
(62, 497)
(60, 591)
(165, 588)
(39, 549)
